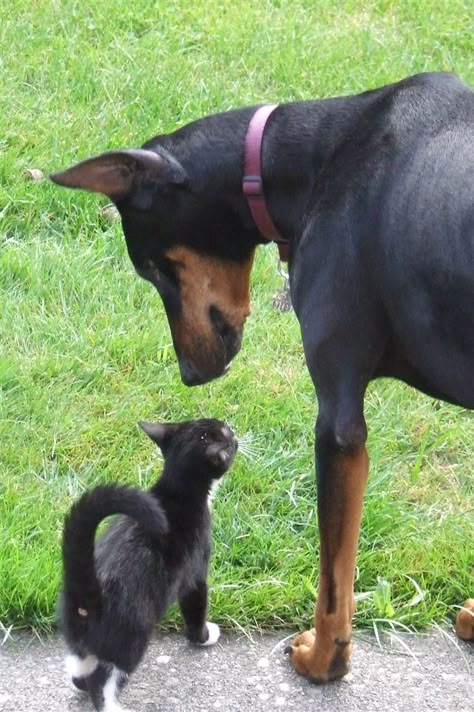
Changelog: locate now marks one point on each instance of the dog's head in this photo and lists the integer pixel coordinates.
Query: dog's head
(185, 235)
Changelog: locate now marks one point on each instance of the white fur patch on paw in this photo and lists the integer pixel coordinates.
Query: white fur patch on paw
(110, 692)
(213, 634)
(80, 667)
(114, 707)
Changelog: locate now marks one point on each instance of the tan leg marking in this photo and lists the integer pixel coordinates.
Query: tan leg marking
(324, 654)
(465, 620)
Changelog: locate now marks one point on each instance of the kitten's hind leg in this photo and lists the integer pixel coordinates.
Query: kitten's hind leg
(193, 604)
(104, 685)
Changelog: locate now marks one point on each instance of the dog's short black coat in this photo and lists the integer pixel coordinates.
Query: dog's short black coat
(374, 193)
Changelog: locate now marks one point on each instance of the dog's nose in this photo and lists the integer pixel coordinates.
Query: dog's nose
(189, 373)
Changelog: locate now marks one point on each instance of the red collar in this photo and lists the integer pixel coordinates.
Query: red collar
(252, 183)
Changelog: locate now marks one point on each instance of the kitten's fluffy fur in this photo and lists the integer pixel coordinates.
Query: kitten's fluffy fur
(117, 589)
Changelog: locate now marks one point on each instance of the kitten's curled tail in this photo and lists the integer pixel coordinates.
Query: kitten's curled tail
(81, 585)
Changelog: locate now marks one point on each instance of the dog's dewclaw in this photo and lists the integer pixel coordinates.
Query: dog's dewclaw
(281, 300)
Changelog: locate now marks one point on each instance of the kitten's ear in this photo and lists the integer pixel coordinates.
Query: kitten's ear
(160, 433)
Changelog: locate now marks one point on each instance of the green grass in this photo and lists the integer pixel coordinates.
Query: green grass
(85, 349)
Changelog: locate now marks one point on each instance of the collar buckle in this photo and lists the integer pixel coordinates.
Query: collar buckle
(252, 186)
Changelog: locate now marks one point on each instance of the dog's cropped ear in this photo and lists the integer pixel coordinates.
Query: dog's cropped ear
(118, 173)
(160, 433)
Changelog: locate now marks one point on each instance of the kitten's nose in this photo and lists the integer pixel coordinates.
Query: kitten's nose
(229, 434)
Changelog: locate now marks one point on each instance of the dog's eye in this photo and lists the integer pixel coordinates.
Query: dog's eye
(148, 270)
(167, 269)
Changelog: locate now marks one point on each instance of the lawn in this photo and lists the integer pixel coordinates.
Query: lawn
(85, 348)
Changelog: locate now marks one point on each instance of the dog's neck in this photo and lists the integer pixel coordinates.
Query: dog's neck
(296, 146)
(297, 142)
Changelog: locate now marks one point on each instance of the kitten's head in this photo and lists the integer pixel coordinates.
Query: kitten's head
(205, 445)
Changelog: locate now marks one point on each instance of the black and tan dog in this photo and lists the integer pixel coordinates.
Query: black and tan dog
(374, 195)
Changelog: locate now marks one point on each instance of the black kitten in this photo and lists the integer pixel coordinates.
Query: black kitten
(117, 589)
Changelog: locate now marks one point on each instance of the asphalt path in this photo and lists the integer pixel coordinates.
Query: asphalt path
(251, 674)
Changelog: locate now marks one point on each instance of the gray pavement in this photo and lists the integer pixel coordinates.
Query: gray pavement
(416, 673)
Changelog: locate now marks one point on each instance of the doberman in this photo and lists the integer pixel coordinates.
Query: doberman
(373, 194)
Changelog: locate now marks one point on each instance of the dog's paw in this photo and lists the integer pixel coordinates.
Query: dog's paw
(465, 620)
(214, 632)
(317, 662)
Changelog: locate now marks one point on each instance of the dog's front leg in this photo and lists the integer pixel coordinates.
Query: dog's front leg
(342, 470)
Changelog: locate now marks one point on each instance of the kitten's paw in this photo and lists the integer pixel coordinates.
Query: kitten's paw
(113, 706)
(213, 634)
(78, 669)
(79, 683)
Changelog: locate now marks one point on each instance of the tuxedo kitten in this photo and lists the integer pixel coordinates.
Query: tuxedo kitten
(116, 589)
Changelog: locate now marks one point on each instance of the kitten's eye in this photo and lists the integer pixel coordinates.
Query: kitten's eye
(204, 437)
